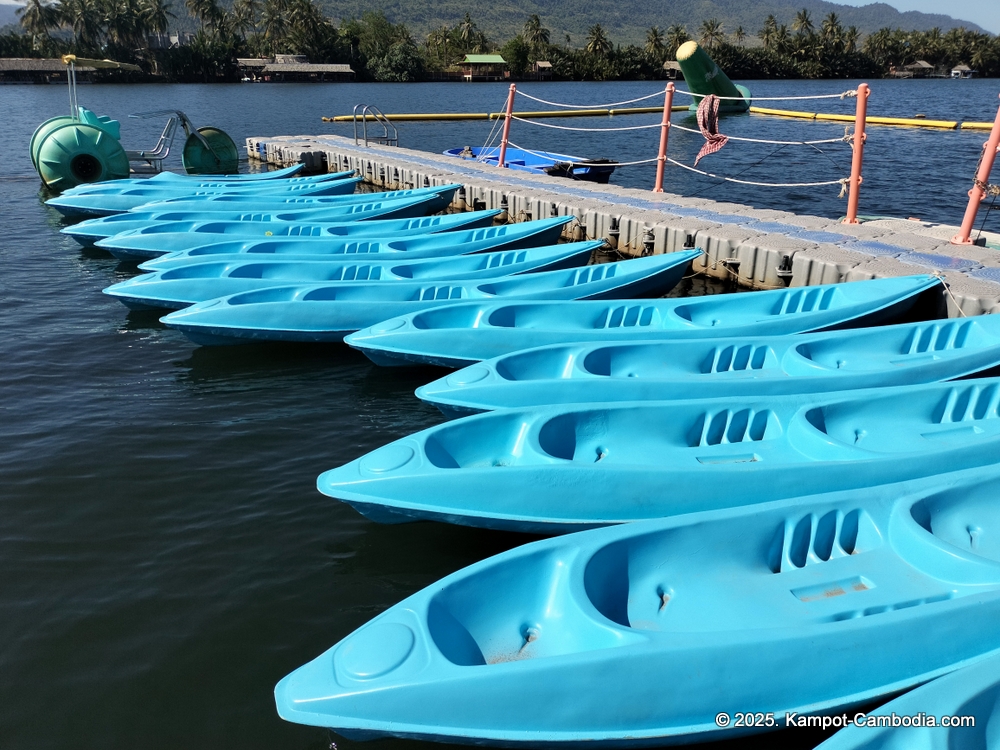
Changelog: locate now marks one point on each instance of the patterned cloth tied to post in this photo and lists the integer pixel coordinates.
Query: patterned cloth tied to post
(708, 121)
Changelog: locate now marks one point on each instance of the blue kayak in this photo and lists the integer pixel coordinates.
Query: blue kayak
(327, 312)
(948, 713)
(196, 282)
(234, 202)
(115, 202)
(458, 242)
(398, 208)
(684, 629)
(203, 182)
(565, 467)
(299, 223)
(273, 174)
(720, 368)
(540, 162)
(463, 334)
(89, 231)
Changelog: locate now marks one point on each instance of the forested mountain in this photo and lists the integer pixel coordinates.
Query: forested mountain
(419, 41)
(7, 14)
(627, 23)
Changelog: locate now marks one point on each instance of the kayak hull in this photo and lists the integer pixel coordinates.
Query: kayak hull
(801, 607)
(722, 368)
(177, 235)
(328, 313)
(181, 287)
(464, 334)
(562, 466)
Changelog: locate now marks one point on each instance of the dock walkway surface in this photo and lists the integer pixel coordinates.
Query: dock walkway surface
(758, 248)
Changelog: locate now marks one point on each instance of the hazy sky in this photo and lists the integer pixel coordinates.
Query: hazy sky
(986, 13)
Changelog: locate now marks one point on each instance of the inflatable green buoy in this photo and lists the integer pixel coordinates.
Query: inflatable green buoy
(704, 77)
(220, 157)
(72, 153)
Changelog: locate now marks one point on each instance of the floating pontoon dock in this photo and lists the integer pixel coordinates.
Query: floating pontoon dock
(755, 247)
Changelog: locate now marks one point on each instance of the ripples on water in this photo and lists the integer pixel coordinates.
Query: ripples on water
(165, 556)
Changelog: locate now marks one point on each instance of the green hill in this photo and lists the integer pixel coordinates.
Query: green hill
(628, 24)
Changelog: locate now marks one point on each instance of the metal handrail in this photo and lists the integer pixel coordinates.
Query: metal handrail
(154, 157)
(376, 114)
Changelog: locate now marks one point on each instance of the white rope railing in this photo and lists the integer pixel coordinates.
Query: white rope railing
(842, 139)
(588, 106)
(587, 163)
(843, 181)
(494, 133)
(584, 130)
(843, 95)
(847, 185)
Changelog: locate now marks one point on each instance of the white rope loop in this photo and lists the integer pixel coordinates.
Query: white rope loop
(842, 181)
(583, 130)
(587, 106)
(761, 140)
(947, 288)
(842, 95)
(587, 163)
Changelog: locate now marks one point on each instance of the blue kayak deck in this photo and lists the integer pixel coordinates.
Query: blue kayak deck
(760, 249)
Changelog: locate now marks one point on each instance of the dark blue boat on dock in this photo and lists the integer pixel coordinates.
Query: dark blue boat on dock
(546, 162)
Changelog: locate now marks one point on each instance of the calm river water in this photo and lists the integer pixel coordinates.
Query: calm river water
(164, 555)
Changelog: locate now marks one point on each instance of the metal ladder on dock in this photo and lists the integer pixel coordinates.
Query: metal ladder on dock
(389, 137)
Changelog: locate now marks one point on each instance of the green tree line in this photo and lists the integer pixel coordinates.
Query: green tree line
(380, 50)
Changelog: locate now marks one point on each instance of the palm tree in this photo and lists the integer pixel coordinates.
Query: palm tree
(877, 45)
(740, 35)
(851, 39)
(467, 31)
(245, 16)
(711, 32)
(480, 43)
(125, 26)
(207, 12)
(782, 39)
(803, 23)
(536, 35)
(597, 42)
(84, 18)
(438, 41)
(980, 55)
(928, 45)
(654, 44)
(38, 18)
(676, 36)
(273, 23)
(303, 14)
(156, 15)
(832, 31)
(766, 34)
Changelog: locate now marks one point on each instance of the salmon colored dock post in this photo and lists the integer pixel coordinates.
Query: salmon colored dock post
(661, 159)
(502, 161)
(978, 191)
(858, 145)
